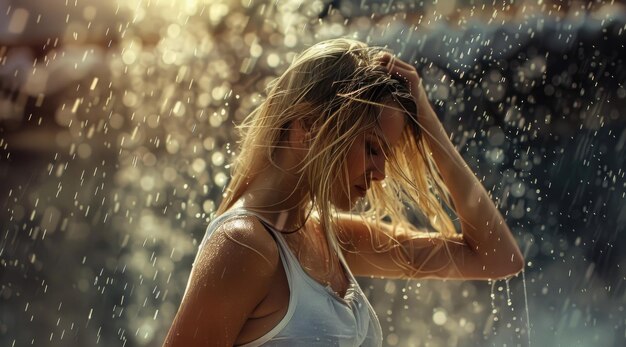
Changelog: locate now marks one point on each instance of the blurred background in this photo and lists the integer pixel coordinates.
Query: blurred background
(117, 128)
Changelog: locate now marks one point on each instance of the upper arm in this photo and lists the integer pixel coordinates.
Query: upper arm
(230, 276)
(370, 250)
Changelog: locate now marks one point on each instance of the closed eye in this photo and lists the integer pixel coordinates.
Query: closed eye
(371, 149)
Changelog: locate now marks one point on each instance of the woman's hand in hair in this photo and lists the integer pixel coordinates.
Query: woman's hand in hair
(406, 73)
(484, 230)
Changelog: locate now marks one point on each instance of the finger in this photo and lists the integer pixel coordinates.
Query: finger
(386, 57)
(392, 63)
(399, 69)
(407, 72)
(383, 58)
(404, 64)
(409, 77)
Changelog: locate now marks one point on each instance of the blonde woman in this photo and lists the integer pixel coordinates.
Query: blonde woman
(345, 141)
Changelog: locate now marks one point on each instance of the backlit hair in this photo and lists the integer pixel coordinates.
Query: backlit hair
(338, 90)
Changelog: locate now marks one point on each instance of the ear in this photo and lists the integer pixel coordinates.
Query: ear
(299, 134)
(300, 128)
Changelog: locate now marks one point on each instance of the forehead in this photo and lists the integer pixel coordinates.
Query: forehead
(391, 122)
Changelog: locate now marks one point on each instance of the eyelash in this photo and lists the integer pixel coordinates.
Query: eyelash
(370, 149)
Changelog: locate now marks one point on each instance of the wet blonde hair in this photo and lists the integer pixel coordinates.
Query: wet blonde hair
(338, 90)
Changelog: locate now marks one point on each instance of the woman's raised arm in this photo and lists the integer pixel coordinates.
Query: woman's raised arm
(483, 228)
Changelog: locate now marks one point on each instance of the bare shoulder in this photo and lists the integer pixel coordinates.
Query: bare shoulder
(232, 274)
(242, 240)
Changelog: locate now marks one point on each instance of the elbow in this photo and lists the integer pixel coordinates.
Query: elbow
(518, 263)
(515, 265)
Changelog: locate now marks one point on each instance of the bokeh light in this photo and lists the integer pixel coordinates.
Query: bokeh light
(117, 128)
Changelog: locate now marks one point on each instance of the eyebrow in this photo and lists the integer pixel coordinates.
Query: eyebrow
(380, 140)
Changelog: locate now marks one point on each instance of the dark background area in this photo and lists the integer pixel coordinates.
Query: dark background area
(116, 130)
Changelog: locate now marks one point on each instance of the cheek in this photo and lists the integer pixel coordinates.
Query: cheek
(356, 163)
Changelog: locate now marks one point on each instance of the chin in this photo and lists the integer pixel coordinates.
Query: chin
(346, 203)
(343, 207)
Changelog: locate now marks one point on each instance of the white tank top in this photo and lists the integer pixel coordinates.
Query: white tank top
(316, 315)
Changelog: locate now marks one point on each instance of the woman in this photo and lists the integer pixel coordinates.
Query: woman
(328, 165)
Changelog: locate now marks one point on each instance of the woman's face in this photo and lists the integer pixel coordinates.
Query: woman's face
(366, 157)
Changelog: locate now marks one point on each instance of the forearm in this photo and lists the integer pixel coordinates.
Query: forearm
(482, 225)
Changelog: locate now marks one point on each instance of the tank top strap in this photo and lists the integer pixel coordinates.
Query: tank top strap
(215, 223)
(238, 211)
(316, 315)
(282, 243)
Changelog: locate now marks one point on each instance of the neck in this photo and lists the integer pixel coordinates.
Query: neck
(278, 194)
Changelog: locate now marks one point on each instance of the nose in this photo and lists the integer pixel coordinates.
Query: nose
(377, 172)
